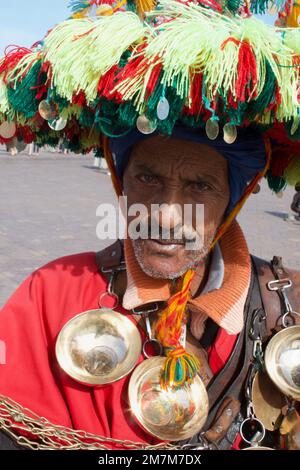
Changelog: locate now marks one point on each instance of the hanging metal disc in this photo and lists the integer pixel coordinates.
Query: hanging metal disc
(267, 401)
(212, 129)
(47, 111)
(58, 124)
(230, 133)
(145, 126)
(163, 109)
(7, 129)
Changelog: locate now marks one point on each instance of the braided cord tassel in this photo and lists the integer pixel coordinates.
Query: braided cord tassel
(180, 368)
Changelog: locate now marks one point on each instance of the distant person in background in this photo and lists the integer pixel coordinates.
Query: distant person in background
(295, 206)
(33, 149)
(36, 149)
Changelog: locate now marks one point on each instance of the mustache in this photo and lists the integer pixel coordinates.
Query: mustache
(177, 234)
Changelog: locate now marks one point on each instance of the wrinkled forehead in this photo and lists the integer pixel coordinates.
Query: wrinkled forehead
(169, 154)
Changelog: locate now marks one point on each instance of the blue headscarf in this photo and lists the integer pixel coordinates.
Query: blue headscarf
(246, 156)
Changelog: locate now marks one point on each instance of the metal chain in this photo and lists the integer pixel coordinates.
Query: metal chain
(37, 433)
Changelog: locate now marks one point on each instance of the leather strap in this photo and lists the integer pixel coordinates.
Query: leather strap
(271, 300)
(110, 257)
(237, 370)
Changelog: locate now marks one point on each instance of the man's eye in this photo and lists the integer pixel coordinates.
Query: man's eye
(149, 179)
(200, 186)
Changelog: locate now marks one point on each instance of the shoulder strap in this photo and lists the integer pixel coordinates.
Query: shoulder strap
(109, 257)
(226, 388)
(273, 272)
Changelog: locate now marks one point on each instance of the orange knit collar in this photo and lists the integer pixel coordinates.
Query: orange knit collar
(224, 306)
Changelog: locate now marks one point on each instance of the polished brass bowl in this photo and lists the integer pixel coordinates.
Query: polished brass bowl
(171, 415)
(282, 360)
(98, 347)
(258, 448)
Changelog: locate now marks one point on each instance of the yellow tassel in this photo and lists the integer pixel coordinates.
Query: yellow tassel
(293, 19)
(143, 6)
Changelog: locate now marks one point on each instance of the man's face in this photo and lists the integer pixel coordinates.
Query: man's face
(176, 173)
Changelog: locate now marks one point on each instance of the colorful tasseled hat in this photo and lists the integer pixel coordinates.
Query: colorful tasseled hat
(115, 66)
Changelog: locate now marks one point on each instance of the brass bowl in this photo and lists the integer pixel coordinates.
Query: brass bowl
(98, 347)
(171, 415)
(282, 359)
(258, 448)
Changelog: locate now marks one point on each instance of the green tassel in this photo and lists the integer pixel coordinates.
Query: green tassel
(86, 118)
(178, 370)
(276, 183)
(99, 153)
(261, 6)
(233, 5)
(267, 96)
(127, 115)
(22, 96)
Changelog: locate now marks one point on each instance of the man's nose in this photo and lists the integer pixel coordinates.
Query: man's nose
(168, 215)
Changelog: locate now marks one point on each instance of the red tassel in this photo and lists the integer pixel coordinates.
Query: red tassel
(42, 89)
(79, 99)
(11, 59)
(26, 134)
(153, 79)
(196, 94)
(246, 72)
(280, 160)
(231, 102)
(133, 68)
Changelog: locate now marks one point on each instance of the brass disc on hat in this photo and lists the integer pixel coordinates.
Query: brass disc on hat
(57, 124)
(163, 109)
(267, 401)
(7, 129)
(212, 129)
(145, 126)
(47, 110)
(230, 133)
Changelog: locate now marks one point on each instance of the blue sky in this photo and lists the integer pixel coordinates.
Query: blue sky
(23, 22)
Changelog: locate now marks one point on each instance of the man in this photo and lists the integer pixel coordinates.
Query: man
(185, 172)
(295, 206)
(207, 309)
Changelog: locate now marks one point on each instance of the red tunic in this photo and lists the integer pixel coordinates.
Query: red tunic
(29, 325)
